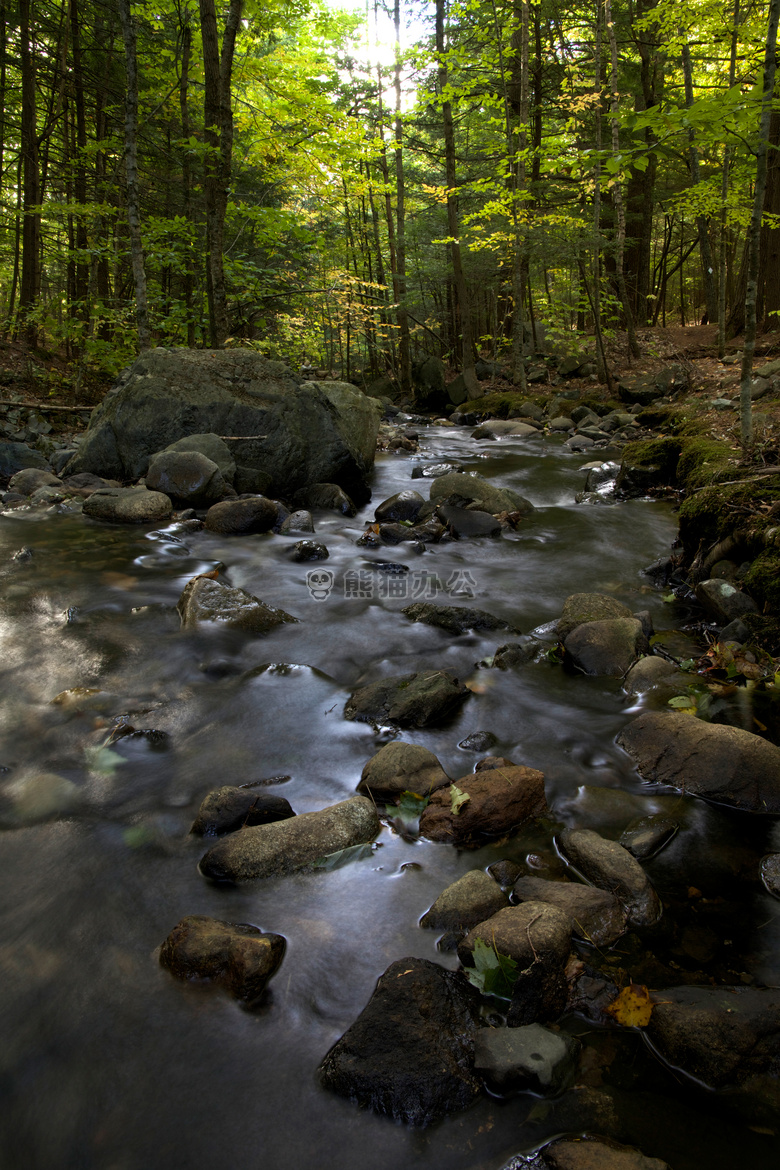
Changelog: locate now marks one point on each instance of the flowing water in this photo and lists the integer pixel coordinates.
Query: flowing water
(108, 1062)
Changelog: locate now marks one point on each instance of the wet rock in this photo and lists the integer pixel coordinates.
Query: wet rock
(424, 699)
(31, 796)
(505, 872)
(478, 741)
(561, 423)
(133, 505)
(242, 516)
(580, 608)
(429, 384)
(15, 456)
(468, 901)
(397, 533)
(493, 428)
(402, 767)
(514, 654)
(482, 494)
(465, 522)
(402, 506)
(500, 800)
(434, 470)
(724, 764)
(609, 866)
(652, 672)
(206, 600)
(530, 1059)
(596, 1153)
(188, 477)
(227, 809)
(252, 481)
(769, 871)
(410, 1052)
(646, 836)
(601, 475)
(488, 763)
(455, 619)
(606, 648)
(293, 845)
(594, 914)
(29, 479)
(723, 602)
(309, 550)
(590, 993)
(300, 521)
(213, 448)
(235, 956)
(325, 495)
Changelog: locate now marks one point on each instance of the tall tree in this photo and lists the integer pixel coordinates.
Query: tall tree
(131, 167)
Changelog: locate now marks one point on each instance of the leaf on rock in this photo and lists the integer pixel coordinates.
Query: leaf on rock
(458, 798)
(492, 973)
(632, 1008)
(411, 805)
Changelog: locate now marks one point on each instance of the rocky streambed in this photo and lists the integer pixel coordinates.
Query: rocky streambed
(341, 838)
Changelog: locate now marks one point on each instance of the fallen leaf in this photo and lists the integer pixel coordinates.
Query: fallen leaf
(458, 798)
(632, 1008)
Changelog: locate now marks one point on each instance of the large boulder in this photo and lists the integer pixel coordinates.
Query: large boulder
(410, 1052)
(293, 845)
(400, 767)
(206, 600)
(608, 648)
(724, 764)
(425, 699)
(429, 384)
(15, 456)
(498, 801)
(298, 434)
(480, 492)
(234, 956)
(133, 505)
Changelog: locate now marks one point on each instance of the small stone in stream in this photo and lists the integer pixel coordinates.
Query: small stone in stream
(500, 800)
(514, 654)
(241, 516)
(409, 1054)
(469, 900)
(226, 809)
(595, 915)
(611, 867)
(206, 600)
(24, 553)
(404, 505)
(434, 470)
(455, 619)
(530, 1059)
(402, 767)
(187, 477)
(590, 993)
(478, 741)
(464, 523)
(505, 872)
(309, 550)
(606, 648)
(594, 1153)
(770, 873)
(424, 699)
(723, 602)
(488, 763)
(722, 763)
(300, 521)
(579, 608)
(325, 495)
(646, 836)
(294, 845)
(133, 505)
(235, 956)
(29, 479)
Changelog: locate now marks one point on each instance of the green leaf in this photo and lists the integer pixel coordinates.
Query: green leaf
(411, 805)
(493, 973)
(102, 760)
(458, 798)
(344, 857)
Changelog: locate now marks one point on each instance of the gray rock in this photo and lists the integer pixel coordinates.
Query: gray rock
(213, 448)
(469, 900)
(561, 423)
(724, 764)
(514, 654)
(227, 809)
(188, 477)
(206, 600)
(409, 1054)
(611, 867)
(497, 427)
(325, 495)
(242, 516)
(500, 800)
(595, 915)
(455, 619)
(425, 699)
(722, 601)
(16, 456)
(600, 475)
(482, 494)
(300, 521)
(30, 796)
(29, 479)
(588, 607)
(464, 523)
(652, 672)
(133, 505)
(309, 550)
(646, 836)
(402, 767)
(434, 470)
(606, 648)
(296, 434)
(769, 871)
(429, 384)
(252, 481)
(531, 1059)
(235, 956)
(478, 741)
(293, 845)
(402, 506)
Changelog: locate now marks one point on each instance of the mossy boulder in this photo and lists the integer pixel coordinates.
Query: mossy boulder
(648, 464)
(702, 461)
(763, 579)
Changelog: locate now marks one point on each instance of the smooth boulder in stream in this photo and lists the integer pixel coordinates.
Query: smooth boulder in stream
(293, 845)
(235, 956)
(724, 764)
(206, 600)
(228, 808)
(133, 505)
(424, 699)
(611, 867)
(400, 767)
(498, 801)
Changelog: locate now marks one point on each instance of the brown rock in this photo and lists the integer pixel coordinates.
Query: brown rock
(235, 956)
(402, 767)
(500, 800)
(231, 516)
(595, 915)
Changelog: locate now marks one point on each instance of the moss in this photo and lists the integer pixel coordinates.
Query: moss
(763, 580)
(661, 454)
(667, 418)
(499, 405)
(764, 631)
(715, 511)
(703, 461)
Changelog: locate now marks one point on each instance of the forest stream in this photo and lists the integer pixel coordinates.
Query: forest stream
(109, 1063)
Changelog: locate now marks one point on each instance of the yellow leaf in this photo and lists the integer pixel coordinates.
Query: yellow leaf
(632, 1008)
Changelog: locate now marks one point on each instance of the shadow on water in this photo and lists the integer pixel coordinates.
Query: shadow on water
(106, 1062)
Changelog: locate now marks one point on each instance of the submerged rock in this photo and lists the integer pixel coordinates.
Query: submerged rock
(531, 1058)
(469, 900)
(611, 867)
(133, 505)
(595, 915)
(410, 1052)
(500, 800)
(235, 956)
(425, 699)
(227, 808)
(724, 764)
(206, 600)
(293, 845)
(455, 619)
(31, 796)
(646, 836)
(402, 767)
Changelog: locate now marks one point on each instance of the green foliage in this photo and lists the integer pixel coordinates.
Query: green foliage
(493, 973)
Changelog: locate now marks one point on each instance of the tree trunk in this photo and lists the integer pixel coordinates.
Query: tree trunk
(31, 192)
(702, 221)
(768, 309)
(188, 281)
(404, 355)
(724, 193)
(620, 213)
